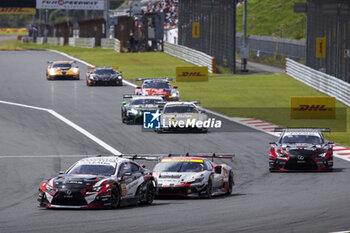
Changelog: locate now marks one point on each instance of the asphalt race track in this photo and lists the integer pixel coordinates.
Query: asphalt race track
(36, 145)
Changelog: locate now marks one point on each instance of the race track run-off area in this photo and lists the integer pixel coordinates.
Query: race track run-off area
(48, 125)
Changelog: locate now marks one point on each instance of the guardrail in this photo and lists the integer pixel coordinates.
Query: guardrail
(190, 55)
(40, 40)
(55, 41)
(107, 43)
(320, 81)
(82, 42)
(118, 46)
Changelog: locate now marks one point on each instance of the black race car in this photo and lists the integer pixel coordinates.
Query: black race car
(103, 76)
(99, 182)
(132, 112)
(301, 149)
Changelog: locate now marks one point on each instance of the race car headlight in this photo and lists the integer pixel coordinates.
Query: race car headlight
(322, 155)
(75, 70)
(92, 77)
(120, 77)
(133, 111)
(196, 180)
(281, 156)
(50, 189)
(96, 189)
(52, 71)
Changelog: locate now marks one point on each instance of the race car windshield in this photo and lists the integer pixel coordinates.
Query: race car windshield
(62, 65)
(157, 85)
(181, 109)
(93, 169)
(104, 72)
(308, 139)
(144, 101)
(179, 167)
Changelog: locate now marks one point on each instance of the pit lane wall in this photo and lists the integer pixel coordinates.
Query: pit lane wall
(190, 55)
(320, 81)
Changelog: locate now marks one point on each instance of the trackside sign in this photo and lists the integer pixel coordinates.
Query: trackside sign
(192, 74)
(71, 4)
(312, 107)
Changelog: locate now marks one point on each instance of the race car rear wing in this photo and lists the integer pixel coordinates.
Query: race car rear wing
(207, 155)
(302, 130)
(129, 96)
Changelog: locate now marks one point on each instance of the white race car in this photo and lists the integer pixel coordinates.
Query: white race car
(193, 176)
(183, 116)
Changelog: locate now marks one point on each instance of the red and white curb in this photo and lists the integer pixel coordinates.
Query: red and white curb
(267, 127)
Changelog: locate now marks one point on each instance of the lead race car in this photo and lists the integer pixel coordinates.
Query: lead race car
(194, 175)
(99, 182)
(62, 70)
(159, 87)
(301, 149)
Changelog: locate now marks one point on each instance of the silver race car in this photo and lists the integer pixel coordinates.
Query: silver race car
(193, 176)
(183, 116)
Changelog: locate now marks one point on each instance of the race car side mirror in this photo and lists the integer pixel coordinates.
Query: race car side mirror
(61, 172)
(123, 103)
(175, 87)
(143, 165)
(218, 169)
(272, 143)
(138, 87)
(330, 142)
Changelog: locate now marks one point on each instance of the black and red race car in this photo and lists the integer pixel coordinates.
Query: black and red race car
(99, 182)
(159, 87)
(301, 149)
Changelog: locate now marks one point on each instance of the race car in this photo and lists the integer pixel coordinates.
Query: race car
(193, 176)
(99, 182)
(301, 149)
(103, 76)
(160, 87)
(62, 70)
(182, 116)
(132, 112)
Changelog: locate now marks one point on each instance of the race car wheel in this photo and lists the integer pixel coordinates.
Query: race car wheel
(230, 184)
(209, 189)
(150, 193)
(115, 197)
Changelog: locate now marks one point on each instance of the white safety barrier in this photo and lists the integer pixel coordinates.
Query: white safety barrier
(82, 42)
(55, 41)
(190, 55)
(118, 46)
(40, 40)
(107, 43)
(320, 81)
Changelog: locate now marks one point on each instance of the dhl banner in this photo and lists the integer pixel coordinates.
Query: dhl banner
(14, 31)
(320, 47)
(312, 107)
(17, 11)
(195, 30)
(192, 74)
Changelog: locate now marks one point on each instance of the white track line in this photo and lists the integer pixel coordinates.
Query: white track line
(257, 124)
(70, 123)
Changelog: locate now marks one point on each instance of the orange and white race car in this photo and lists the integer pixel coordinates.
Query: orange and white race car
(62, 70)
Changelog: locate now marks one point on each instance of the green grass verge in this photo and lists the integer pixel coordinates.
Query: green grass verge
(243, 96)
(273, 18)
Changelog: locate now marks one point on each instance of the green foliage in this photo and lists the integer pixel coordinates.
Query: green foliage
(15, 21)
(273, 18)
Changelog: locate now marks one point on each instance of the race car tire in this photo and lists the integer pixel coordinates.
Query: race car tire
(209, 189)
(115, 197)
(150, 193)
(230, 184)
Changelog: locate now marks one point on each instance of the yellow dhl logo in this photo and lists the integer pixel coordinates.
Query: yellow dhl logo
(312, 107)
(192, 74)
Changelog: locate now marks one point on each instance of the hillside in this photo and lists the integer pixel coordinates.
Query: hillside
(273, 18)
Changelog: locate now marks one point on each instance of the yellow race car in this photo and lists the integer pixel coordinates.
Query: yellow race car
(62, 70)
